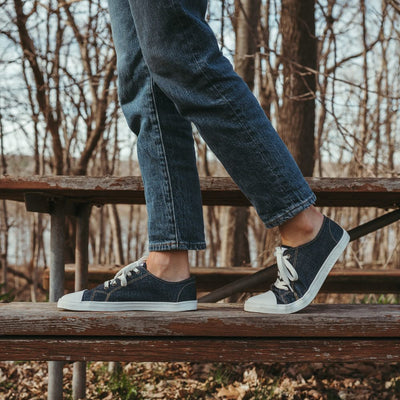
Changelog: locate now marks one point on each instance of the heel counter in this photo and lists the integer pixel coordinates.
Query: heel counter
(188, 291)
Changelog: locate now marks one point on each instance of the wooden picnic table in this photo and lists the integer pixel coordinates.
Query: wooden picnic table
(352, 333)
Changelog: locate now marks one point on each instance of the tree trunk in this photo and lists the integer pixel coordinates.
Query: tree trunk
(116, 234)
(235, 245)
(297, 113)
(247, 13)
(4, 224)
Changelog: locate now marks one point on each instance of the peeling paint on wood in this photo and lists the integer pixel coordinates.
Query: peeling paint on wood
(374, 192)
(200, 350)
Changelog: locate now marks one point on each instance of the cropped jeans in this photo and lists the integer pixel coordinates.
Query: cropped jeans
(171, 73)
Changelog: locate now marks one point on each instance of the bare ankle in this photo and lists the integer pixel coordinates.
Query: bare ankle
(302, 228)
(172, 266)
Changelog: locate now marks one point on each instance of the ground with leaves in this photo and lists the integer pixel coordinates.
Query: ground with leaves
(211, 381)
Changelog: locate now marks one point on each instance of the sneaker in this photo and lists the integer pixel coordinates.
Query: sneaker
(301, 272)
(134, 288)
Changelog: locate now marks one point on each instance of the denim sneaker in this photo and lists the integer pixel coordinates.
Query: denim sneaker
(134, 288)
(301, 272)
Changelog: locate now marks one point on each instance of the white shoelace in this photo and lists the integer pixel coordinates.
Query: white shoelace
(286, 271)
(126, 272)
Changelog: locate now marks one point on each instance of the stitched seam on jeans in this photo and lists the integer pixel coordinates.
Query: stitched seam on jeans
(179, 242)
(177, 246)
(172, 207)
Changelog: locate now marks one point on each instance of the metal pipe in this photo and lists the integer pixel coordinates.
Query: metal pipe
(82, 247)
(79, 380)
(374, 225)
(55, 387)
(57, 242)
(81, 281)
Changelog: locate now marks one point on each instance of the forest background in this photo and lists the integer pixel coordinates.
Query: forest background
(326, 72)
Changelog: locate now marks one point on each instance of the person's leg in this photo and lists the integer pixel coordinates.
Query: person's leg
(301, 228)
(165, 145)
(172, 266)
(166, 156)
(185, 62)
(167, 161)
(171, 137)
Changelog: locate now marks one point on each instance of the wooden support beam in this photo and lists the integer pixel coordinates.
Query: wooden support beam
(47, 203)
(203, 350)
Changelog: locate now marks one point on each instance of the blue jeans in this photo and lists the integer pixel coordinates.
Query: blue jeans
(171, 73)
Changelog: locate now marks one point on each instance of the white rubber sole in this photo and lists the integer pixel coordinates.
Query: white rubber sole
(67, 303)
(258, 303)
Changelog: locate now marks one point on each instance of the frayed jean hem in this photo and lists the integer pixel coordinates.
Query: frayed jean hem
(168, 246)
(292, 212)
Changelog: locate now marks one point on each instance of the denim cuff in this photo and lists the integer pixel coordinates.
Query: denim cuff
(167, 246)
(291, 212)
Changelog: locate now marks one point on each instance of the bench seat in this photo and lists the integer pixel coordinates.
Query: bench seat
(216, 332)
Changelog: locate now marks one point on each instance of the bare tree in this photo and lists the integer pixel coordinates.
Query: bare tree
(299, 59)
(64, 98)
(235, 244)
(4, 223)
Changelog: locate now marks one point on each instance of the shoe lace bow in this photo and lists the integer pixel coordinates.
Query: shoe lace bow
(125, 272)
(286, 272)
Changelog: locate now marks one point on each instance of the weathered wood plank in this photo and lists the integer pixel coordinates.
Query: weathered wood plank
(375, 192)
(200, 350)
(208, 279)
(211, 320)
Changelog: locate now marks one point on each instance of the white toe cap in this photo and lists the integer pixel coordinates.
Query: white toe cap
(261, 303)
(267, 298)
(70, 300)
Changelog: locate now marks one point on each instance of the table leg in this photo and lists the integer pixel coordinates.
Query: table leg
(57, 242)
(81, 280)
